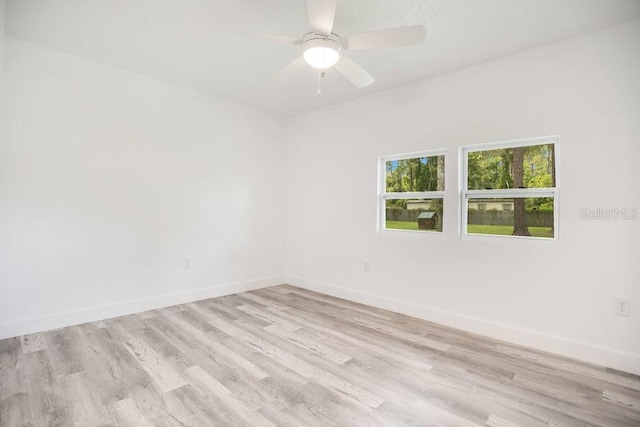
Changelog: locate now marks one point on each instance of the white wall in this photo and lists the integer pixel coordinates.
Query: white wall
(109, 179)
(556, 296)
(2, 12)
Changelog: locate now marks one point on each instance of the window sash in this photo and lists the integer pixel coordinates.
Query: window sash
(382, 221)
(464, 209)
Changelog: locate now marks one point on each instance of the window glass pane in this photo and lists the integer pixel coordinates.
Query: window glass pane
(413, 214)
(417, 174)
(517, 167)
(532, 216)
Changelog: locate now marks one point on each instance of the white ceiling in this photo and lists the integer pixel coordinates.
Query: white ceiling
(186, 41)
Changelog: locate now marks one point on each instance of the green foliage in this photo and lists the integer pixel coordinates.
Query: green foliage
(540, 204)
(489, 169)
(397, 204)
(542, 180)
(417, 174)
(493, 169)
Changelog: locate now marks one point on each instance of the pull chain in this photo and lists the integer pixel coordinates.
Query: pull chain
(321, 75)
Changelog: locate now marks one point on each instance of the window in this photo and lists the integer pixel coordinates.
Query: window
(411, 191)
(509, 189)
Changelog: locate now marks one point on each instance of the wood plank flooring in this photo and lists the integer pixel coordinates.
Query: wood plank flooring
(285, 356)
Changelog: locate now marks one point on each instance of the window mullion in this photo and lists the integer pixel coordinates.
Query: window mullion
(414, 195)
(511, 193)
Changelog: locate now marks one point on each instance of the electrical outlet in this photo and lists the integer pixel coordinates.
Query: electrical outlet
(186, 264)
(622, 307)
(365, 266)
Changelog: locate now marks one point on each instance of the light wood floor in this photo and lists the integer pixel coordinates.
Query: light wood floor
(287, 356)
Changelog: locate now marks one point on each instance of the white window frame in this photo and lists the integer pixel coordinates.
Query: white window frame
(466, 194)
(383, 195)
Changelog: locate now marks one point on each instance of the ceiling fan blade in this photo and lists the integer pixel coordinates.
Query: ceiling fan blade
(354, 72)
(321, 15)
(243, 32)
(290, 69)
(389, 37)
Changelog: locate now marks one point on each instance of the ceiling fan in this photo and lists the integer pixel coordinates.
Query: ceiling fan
(321, 48)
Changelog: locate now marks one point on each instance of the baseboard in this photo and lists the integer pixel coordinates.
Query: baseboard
(594, 354)
(92, 314)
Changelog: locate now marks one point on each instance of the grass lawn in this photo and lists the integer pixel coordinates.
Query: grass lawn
(507, 230)
(405, 225)
(501, 230)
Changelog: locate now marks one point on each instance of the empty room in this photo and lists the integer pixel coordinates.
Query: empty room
(320, 213)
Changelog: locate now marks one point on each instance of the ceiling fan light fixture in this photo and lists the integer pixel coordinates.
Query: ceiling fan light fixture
(321, 53)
